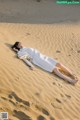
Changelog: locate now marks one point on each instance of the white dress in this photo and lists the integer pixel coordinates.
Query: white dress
(38, 59)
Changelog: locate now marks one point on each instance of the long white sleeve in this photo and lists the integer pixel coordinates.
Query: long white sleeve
(22, 55)
(28, 63)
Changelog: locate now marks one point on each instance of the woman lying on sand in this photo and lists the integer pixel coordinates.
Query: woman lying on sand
(32, 56)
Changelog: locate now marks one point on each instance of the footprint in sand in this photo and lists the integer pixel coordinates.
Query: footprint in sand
(10, 96)
(1, 108)
(51, 118)
(58, 100)
(12, 102)
(27, 33)
(72, 49)
(21, 115)
(8, 100)
(59, 85)
(37, 94)
(68, 96)
(78, 51)
(58, 51)
(19, 99)
(57, 104)
(44, 111)
(40, 117)
(62, 95)
(54, 83)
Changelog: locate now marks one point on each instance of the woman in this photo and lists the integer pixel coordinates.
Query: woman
(32, 56)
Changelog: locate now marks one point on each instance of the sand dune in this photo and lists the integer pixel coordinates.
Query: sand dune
(38, 95)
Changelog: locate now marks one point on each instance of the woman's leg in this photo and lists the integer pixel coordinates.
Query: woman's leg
(68, 79)
(66, 70)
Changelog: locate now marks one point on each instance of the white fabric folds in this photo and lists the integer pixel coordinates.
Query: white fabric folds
(38, 59)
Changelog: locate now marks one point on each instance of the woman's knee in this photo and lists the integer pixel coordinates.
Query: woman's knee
(55, 69)
(58, 64)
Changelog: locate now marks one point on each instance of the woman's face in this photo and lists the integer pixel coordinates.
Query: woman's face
(20, 45)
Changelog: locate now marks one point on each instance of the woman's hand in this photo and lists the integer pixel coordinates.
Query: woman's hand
(30, 59)
(32, 68)
(16, 50)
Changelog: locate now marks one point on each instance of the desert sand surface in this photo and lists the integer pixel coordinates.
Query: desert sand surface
(39, 95)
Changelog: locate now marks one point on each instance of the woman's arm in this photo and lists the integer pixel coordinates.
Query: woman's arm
(26, 60)
(16, 50)
(28, 63)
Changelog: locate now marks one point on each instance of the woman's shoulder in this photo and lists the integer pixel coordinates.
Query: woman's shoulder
(27, 49)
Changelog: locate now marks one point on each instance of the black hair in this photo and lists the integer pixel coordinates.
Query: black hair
(16, 46)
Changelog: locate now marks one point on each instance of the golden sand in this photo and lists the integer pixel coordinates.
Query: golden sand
(37, 94)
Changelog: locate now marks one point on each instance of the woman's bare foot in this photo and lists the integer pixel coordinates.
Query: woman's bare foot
(73, 81)
(75, 77)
